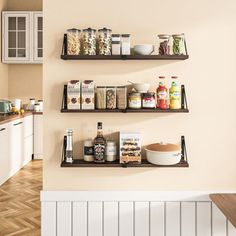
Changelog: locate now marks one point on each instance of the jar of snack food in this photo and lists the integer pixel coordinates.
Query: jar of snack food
(73, 41)
(101, 97)
(104, 41)
(111, 97)
(121, 97)
(164, 45)
(148, 100)
(135, 100)
(178, 44)
(89, 41)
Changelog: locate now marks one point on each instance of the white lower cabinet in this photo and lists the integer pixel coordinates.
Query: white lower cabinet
(4, 153)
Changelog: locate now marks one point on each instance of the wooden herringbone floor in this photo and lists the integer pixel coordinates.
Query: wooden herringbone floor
(20, 203)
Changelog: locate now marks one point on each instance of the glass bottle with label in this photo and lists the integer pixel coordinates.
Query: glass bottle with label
(69, 146)
(162, 94)
(99, 145)
(175, 94)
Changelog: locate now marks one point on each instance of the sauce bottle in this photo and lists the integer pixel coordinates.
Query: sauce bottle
(162, 94)
(175, 94)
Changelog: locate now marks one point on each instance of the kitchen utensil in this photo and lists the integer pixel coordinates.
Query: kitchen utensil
(5, 106)
(163, 154)
(144, 49)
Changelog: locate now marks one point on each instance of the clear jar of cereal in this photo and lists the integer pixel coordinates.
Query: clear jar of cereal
(89, 41)
(73, 41)
(104, 41)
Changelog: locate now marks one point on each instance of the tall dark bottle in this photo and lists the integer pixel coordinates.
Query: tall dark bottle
(99, 145)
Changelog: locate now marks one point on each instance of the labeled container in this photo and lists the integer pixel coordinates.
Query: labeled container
(31, 104)
(111, 97)
(175, 94)
(162, 95)
(164, 44)
(73, 95)
(178, 47)
(40, 102)
(73, 41)
(89, 150)
(116, 44)
(135, 100)
(89, 41)
(148, 100)
(88, 95)
(125, 44)
(111, 151)
(101, 97)
(37, 107)
(121, 97)
(104, 41)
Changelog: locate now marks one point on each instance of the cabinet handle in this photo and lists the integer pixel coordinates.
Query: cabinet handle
(2, 129)
(18, 123)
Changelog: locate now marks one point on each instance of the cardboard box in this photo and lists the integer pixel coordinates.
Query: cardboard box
(73, 94)
(88, 94)
(130, 147)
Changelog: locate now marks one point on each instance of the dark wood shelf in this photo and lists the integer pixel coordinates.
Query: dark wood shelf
(124, 57)
(185, 110)
(227, 204)
(144, 164)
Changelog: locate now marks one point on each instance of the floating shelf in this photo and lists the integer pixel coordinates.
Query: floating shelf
(184, 107)
(125, 57)
(144, 164)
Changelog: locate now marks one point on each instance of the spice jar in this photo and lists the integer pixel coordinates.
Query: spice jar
(178, 44)
(111, 151)
(88, 150)
(104, 41)
(121, 97)
(135, 100)
(125, 44)
(89, 41)
(148, 100)
(111, 97)
(164, 46)
(73, 41)
(101, 97)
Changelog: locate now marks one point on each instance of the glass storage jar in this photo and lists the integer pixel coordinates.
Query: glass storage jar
(89, 41)
(125, 44)
(101, 97)
(73, 41)
(135, 100)
(111, 97)
(164, 44)
(178, 44)
(104, 41)
(121, 97)
(148, 100)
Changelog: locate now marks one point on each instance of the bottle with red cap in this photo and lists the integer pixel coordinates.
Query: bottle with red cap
(162, 94)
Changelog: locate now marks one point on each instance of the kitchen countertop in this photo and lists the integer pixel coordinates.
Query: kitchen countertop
(9, 118)
(227, 204)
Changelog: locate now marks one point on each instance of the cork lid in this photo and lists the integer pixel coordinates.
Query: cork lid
(163, 147)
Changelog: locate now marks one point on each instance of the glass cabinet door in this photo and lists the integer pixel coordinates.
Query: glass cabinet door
(16, 47)
(38, 37)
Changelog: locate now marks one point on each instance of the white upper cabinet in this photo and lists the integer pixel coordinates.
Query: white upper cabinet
(22, 37)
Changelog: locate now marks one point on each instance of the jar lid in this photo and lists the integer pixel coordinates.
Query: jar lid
(174, 77)
(149, 94)
(74, 30)
(115, 35)
(163, 36)
(40, 100)
(36, 104)
(177, 35)
(125, 35)
(32, 99)
(89, 30)
(163, 147)
(135, 93)
(115, 42)
(104, 29)
(162, 77)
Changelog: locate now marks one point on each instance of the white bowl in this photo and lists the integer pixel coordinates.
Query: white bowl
(163, 158)
(141, 87)
(144, 49)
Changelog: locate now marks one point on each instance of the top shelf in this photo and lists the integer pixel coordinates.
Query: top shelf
(124, 57)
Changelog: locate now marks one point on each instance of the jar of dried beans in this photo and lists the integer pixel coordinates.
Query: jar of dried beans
(89, 41)
(73, 42)
(104, 41)
(164, 45)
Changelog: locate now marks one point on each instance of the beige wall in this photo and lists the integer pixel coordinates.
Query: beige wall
(25, 81)
(209, 76)
(3, 67)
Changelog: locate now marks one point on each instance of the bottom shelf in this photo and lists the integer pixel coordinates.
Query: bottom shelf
(144, 164)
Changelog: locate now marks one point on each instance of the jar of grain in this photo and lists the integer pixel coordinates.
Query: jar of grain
(101, 97)
(121, 97)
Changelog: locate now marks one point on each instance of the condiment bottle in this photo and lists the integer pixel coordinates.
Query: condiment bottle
(162, 95)
(175, 94)
(69, 146)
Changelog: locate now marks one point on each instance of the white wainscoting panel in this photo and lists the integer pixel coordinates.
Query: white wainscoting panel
(81, 213)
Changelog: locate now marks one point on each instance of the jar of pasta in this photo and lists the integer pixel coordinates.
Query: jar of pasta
(89, 41)
(164, 44)
(104, 41)
(73, 41)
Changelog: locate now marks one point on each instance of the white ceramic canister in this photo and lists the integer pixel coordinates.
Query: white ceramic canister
(31, 104)
(36, 107)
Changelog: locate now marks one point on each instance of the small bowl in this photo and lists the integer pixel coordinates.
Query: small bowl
(144, 49)
(141, 87)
